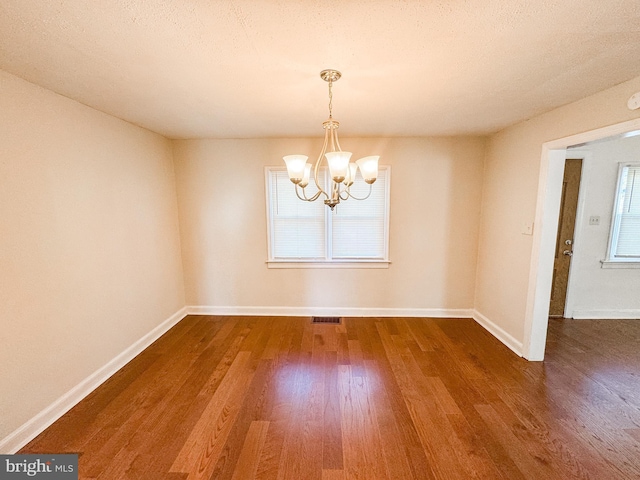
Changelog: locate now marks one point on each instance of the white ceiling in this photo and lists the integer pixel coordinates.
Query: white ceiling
(250, 68)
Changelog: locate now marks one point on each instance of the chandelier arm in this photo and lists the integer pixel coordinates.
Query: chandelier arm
(333, 138)
(304, 195)
(337, 141)
(316, 167)
(358, 198)
(346, 192)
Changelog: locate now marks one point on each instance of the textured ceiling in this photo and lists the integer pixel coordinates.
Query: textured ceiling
(250, 68)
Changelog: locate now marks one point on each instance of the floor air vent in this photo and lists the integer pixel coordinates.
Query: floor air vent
(330, 320)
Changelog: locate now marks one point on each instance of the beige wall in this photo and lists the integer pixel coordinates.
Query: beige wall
(89, 243)
(435, 198)
(510, 185)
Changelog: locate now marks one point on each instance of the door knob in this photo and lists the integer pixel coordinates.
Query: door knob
(568, 253)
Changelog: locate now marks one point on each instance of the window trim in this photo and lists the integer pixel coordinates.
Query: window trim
(327, 262)
(611, 260)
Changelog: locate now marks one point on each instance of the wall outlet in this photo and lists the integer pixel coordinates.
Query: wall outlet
(594, 220)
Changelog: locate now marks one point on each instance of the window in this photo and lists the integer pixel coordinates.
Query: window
(309, 234)
(624, 241)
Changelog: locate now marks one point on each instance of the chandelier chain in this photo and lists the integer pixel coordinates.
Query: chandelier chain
(330, 99)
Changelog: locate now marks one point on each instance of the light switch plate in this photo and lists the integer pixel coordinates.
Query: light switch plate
(527, 229)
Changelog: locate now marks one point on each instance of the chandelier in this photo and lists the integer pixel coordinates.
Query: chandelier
(342, 171)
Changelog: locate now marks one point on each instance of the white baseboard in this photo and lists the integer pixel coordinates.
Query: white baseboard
(618, 314)
(513, 344)
(332, 311)
(32, 428)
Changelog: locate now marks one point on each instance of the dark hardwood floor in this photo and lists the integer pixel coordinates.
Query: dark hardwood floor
(259, 397)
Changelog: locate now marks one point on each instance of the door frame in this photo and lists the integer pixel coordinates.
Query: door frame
(546, 229)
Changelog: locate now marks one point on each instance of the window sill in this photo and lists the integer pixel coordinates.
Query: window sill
(620, 264)
(332, 264)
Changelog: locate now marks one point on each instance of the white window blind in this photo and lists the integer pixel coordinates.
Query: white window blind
(625, 237)
(357, 231)
(359, 226)
(297, 228)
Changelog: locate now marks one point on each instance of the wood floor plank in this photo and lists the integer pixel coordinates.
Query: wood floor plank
(442, 395)
(473, 452)
(281, 408)
(251, 410)
(328, 474)
(251, 451)
(306, 401)
(355, 357)
(279, 328)
(393, 447)
(526, 463)
(234, 397)
(363, 455)
(332, 453)
(202, 448)
(269, 464)
(411, 443)
(566, 454)
(423, 410)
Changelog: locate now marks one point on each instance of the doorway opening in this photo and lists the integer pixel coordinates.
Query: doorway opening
(548, 203)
